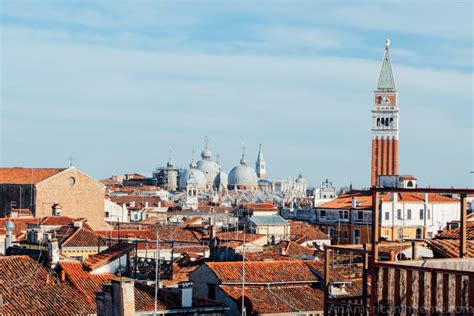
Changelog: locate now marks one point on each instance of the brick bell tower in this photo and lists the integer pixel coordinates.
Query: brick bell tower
(385, 122)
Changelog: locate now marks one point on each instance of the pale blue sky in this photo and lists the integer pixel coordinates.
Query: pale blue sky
(116, 83)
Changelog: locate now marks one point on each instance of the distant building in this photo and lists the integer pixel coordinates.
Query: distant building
(37, 189)
(348, 218)
(167, 177)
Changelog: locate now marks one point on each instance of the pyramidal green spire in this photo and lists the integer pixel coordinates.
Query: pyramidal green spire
(386, 81)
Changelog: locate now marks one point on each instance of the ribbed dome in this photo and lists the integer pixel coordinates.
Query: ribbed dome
(210, 169)
(221, 181)
(243, 175)
(196, 174)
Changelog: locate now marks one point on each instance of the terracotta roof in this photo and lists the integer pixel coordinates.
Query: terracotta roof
(364, 200)
(28, 288)
(21, 224)
(283, 251)
(273, 300)
(450, 247)
(139, 200)
(21, 212)
(455, 233)
(59, 220)
(86, 283)
(26, 175)
(167, 233)
(239, 236)
(259, 272)
(301, 232)
(264, 205)
(167, 299)
(110, 254)
(71, 236)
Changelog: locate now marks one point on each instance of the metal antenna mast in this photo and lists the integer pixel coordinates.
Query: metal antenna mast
(157, 267)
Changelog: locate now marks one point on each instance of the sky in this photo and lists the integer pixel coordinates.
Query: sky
(119, 85)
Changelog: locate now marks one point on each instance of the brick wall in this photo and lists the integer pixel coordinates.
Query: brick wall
(78, 194)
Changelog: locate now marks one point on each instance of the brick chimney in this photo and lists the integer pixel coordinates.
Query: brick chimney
(116, 299)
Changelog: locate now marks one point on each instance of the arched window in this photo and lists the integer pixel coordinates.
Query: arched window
(378, 121)
(419, 233)
(383, 121)
(391, 122)
(409, 184)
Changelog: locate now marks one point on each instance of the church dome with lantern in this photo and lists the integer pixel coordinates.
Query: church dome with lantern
(243, 177)
(194, 173)
(208, 167)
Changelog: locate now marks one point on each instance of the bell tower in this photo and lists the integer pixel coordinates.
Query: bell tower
(260, 165)
(385, 122)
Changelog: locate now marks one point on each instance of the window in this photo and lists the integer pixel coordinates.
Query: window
(387, 216)
(399, 214)
(343, 214)
(322, 213)
(356, 236)
(419, 233)
(360, 215)
(211, 291)
(106, 214)
(345, 234)
(421, 213)
(428, 215)
(409, 214)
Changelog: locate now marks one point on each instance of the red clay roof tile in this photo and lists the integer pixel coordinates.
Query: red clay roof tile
(26, 175)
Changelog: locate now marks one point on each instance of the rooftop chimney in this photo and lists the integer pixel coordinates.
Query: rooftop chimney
(53, 251)
(56, 209)
(186, 293)
(123, 296)
(354, 202)
(9, 227)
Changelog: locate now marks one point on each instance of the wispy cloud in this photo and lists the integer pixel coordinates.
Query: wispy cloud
(115, 90)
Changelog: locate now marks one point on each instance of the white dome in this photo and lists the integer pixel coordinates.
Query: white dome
(243, 175)
(221, 181)
(210, 169)
(196, 174)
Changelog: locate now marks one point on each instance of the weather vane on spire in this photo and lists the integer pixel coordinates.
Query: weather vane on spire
(71, 160)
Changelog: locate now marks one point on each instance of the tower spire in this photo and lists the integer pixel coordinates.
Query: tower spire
(242, 161)
(386, 81)
(260, 164)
